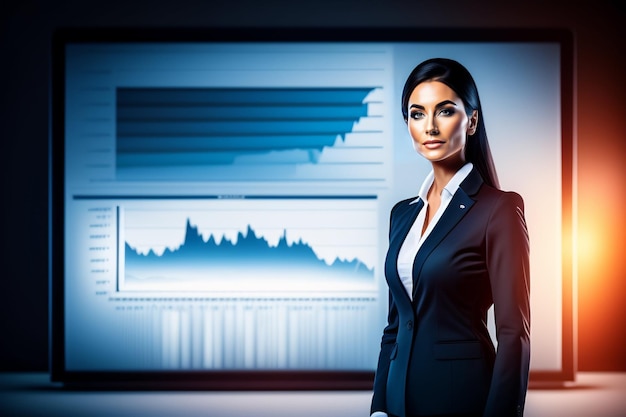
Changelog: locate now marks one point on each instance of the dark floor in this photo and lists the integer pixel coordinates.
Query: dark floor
(593, 395)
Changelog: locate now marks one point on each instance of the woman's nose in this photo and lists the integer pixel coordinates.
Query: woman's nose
(431, 127)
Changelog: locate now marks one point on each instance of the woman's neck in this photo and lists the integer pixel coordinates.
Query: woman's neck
(443, 173)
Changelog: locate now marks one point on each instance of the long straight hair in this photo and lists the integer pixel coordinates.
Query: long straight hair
(458, 78)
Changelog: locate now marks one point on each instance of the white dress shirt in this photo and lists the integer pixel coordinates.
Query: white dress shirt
(415, 238)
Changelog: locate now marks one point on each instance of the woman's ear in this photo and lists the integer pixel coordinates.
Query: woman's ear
(473, 123)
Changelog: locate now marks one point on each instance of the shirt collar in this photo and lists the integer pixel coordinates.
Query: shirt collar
(450, 188)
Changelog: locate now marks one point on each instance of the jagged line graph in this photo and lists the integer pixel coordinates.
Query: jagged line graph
(250, 133)
(249, 253)
(234, 246)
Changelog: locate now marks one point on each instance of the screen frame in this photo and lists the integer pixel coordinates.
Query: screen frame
(284, 380)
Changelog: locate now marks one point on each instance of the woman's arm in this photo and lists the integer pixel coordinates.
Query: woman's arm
(508, 265)
(379, 401)
(388, 342)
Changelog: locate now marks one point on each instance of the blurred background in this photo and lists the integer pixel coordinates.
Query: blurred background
(598, 28)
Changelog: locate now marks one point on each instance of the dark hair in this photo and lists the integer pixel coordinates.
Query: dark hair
(458, 78)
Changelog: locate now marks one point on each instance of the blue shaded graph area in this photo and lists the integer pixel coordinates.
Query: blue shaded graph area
(248, 257)
(162, 128)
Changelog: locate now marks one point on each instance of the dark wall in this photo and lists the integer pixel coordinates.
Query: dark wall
(598, 26)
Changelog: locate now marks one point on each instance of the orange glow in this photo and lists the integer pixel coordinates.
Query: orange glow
(589, 246)
(598, 236)
(600, 245)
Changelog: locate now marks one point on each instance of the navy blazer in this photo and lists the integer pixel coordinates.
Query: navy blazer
(436, 353)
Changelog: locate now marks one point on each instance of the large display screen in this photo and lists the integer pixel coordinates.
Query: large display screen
(220, 202)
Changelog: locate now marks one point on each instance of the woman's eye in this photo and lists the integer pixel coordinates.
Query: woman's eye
(417, 115)
(446, 112)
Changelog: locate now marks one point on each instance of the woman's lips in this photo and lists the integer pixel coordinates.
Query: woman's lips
(433, 144)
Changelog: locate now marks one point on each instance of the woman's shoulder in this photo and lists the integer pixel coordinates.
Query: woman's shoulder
(500, 196)
(499, 202)
(403, 208)
(404, 204)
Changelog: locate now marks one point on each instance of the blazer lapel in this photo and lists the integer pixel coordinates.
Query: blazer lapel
(459, 205)
(399, 232)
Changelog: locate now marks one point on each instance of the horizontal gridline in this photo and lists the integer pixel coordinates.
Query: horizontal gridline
(244, 96)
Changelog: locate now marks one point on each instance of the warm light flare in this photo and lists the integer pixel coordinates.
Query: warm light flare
(593, 247)
(589, 247)
(598, 243)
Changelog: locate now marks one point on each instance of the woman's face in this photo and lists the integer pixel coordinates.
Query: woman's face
(438, 123)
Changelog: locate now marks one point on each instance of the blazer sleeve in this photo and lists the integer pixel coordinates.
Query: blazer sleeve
(507, 252)
(388, 342)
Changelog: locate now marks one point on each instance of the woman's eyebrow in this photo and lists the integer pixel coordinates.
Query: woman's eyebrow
(443, 103)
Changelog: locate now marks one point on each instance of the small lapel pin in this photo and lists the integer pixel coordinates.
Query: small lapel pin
(462, 206)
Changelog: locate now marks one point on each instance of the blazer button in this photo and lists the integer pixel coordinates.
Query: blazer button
(409, 325)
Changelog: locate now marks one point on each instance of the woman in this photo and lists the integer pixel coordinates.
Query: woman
(456, 249)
